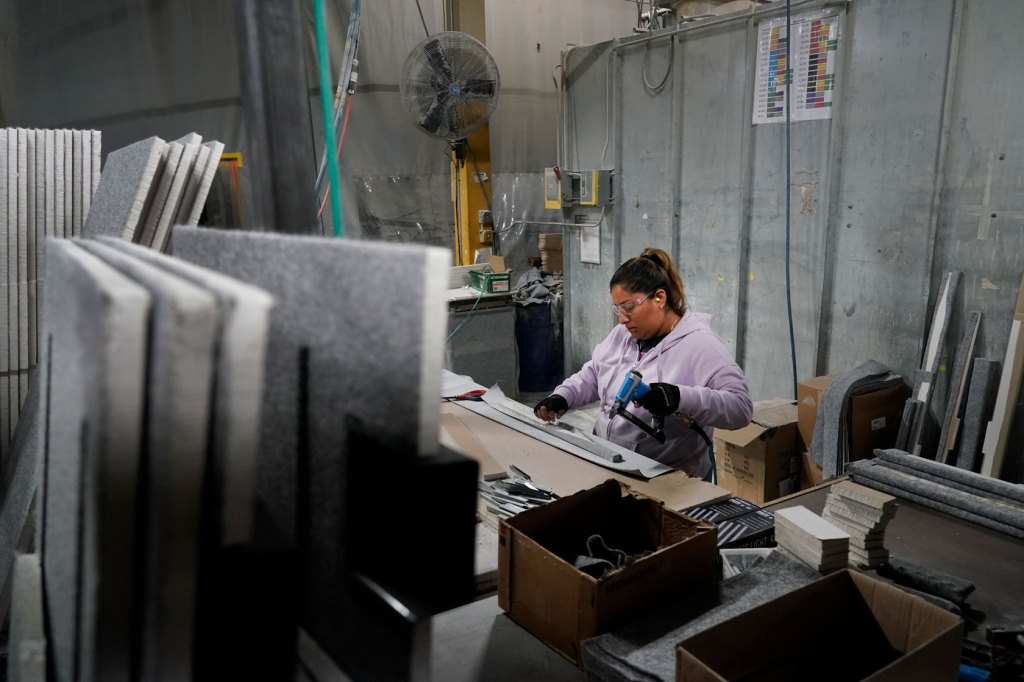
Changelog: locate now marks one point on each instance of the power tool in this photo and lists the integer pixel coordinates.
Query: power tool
(634, 388)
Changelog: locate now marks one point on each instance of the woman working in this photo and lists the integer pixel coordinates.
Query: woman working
(688, 367)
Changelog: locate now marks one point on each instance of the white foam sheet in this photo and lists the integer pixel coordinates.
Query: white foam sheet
(125, 190)
(212, 162)
(50, 207)
(95, 323)
(21, 288)
(78, 179)
(633, 463)
(85, 188)
(173, 201)
(188, 196)
(180, 373)
(61, 228)
(26, 660)
(97, 162)
(241, 359)
(163, 181)
(69, 183)
(6, 238)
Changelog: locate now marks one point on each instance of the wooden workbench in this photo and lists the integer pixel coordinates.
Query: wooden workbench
(496, 446)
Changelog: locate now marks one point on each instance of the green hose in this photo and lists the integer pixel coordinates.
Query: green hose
(323, 60)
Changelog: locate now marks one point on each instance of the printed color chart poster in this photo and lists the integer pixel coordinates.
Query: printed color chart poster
(814, 57)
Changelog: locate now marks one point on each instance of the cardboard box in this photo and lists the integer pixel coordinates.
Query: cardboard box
(874, 421)
(543, 591)
(847, 626)
(761, 461)
(492, 278)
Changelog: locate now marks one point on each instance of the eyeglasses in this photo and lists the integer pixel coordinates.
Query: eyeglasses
(627, 307)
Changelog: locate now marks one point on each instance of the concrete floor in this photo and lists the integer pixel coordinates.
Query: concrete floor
(479, 642)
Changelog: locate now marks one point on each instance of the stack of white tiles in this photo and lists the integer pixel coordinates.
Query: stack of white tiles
(863, 513)
(812, 539)
(47, 181)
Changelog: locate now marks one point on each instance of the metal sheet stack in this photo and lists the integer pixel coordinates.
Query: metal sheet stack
(812, 539)
(863, 514)
(47, 180)
(152, 185)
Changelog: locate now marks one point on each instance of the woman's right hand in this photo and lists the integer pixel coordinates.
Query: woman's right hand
(551, 408)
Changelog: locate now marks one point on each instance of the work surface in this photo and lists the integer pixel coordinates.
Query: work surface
(496, 446)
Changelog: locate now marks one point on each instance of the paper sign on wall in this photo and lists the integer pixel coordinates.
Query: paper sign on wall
(814, 55)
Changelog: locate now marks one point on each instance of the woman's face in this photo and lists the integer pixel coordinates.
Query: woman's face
(640, 311)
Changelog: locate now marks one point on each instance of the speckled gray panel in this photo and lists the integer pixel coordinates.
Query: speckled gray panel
(188, 197)
(19, 480)
(241, 358)
(357, 332)
(95, 323)
(26, 659)
(117, 206)
(180, 374)
(6, 238)
(186, 167)
(163, 181)
(646, 649)
(958, 390)
(981, 399)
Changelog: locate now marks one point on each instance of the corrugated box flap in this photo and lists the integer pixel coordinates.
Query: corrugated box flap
(776, 415)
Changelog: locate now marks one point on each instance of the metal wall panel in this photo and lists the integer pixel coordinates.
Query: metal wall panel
(918, 172)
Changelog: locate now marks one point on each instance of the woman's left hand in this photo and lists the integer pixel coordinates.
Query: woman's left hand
(662, 400)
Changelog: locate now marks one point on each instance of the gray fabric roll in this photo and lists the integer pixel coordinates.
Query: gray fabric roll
(829, 443)
(924, 493)
(645, 649)
(910, 411)
(948, 587)
(968, 481)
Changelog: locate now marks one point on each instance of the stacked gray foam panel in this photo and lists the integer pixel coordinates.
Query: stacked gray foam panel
(238, 385)
(179, 377)
(95, 325)
(981, 398)
(46, 179)
(152, 185)
(357, 333)
(863, 514)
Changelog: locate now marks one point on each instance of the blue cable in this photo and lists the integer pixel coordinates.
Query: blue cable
(789, 190)
(466, 320)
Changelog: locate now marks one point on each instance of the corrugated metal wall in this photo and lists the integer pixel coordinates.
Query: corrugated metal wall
(920, 170)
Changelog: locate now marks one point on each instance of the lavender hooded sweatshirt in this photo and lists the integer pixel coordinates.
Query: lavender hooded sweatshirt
(712, 390)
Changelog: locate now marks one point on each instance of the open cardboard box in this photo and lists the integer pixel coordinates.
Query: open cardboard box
(874, 421)
(847, 626)
(540, 588)
(761, 461)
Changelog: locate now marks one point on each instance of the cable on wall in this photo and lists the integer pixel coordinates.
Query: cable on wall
(789, 187)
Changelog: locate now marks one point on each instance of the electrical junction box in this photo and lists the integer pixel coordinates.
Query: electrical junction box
(587, 188)
(552, 189)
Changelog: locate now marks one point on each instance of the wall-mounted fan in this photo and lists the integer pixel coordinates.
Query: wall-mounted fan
(450, 85)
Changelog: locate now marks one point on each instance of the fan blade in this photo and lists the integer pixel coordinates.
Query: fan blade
(436, 114)
(479, 87)
(438, 60)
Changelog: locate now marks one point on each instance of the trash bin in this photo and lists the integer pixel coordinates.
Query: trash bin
(539, 341)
